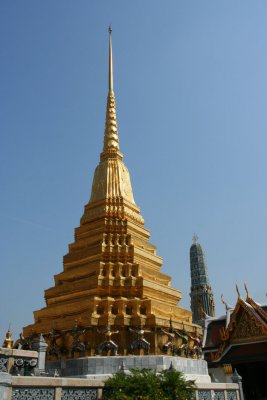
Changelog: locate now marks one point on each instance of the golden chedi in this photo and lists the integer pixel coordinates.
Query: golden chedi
(111, 283)
(8, 342)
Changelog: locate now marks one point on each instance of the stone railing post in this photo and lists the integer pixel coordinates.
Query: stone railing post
(58, 393)
(5, 386)
(238, 379)
(40, 345)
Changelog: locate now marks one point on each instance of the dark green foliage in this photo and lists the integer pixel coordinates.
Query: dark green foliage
(175, 387)
(148, 385)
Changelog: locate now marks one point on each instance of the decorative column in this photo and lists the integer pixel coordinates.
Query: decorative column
(5, 386)
(40, 345)
(238, 379)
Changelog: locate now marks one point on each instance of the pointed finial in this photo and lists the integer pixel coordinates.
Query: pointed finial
(123, 369)
(239, 295)
(246, 289)
(236, 378)
(203, 314)
(8, 342)
(171, 367)
(195, 238)
(111, 138)
(110, 69)
(227, 307)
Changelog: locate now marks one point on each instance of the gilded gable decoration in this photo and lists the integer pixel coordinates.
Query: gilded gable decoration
(247, 328)
(248, 323)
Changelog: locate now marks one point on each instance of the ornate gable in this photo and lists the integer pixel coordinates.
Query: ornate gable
(258, 309)
(247, 329)
(246, 326)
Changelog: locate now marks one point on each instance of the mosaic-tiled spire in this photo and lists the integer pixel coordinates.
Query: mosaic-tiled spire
(202, 302)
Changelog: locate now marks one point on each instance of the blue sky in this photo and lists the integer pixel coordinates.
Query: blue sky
(191, 91)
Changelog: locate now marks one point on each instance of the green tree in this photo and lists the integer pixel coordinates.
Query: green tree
(174, 386)
(148, 385)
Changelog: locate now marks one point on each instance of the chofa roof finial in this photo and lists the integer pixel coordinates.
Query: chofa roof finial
(227, 307)
(246, 289)
(239, 295)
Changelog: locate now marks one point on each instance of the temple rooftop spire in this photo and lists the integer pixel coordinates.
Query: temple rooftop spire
(111, 138)
(202, 301)
(110, 69)
(112, 179)
(195, 238)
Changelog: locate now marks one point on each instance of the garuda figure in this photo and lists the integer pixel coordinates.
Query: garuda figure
(54, 349)
(77, 344)
(140, 342)
(23, 343)
(108, 345)
(196, 349)
(170, 345)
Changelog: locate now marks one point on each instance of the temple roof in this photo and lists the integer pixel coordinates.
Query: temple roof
(247, 325)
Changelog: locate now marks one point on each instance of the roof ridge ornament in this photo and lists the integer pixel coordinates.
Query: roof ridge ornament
(195, 238)
(227, 306)
(228, 310)
(246, 289)
(239, 295)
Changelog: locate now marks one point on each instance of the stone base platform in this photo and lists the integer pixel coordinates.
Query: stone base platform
(99, 366)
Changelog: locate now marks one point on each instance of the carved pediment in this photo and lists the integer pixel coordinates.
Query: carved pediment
(247, 325)
(247, 328)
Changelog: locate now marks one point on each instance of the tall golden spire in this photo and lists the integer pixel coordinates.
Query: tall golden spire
(111, 138)
(111, 179)
(110, 69)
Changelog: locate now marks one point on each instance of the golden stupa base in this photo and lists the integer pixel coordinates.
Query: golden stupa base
(85, 367)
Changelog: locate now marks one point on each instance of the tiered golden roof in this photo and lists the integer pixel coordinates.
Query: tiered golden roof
(111, 273)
